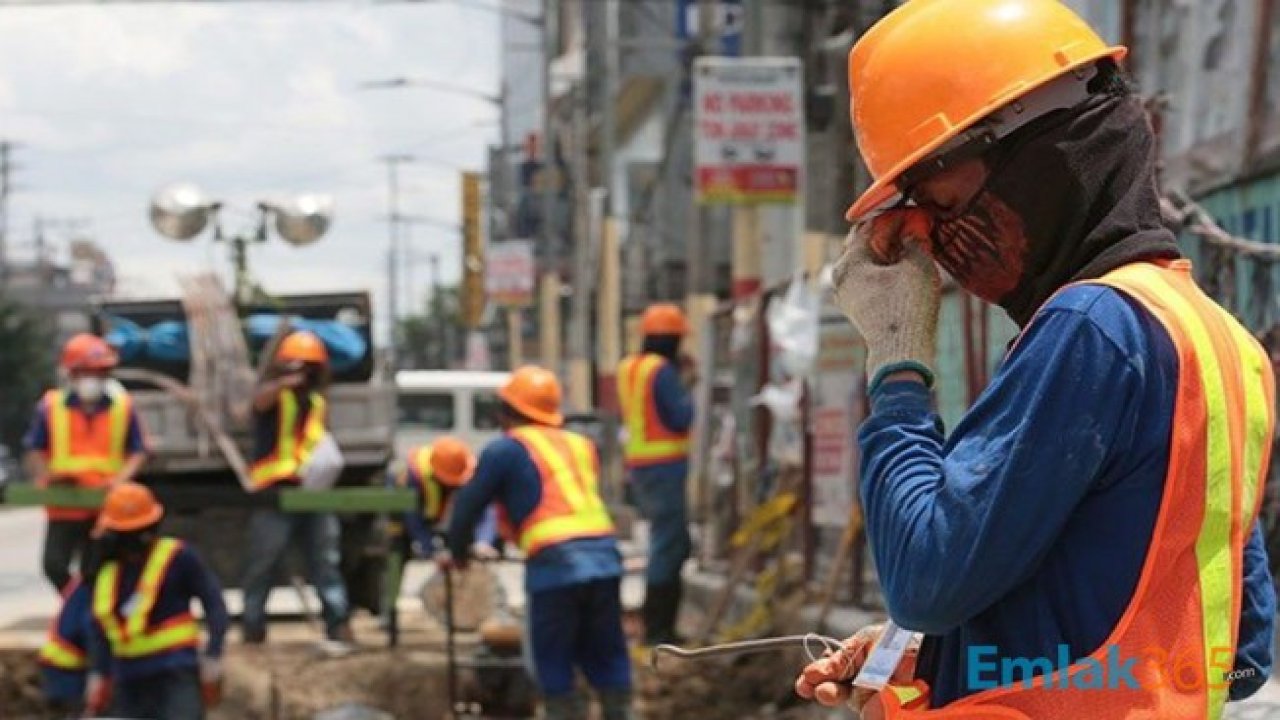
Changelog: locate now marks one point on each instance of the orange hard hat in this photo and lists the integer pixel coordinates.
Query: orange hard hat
(664, 319)
(535, 393)
(129, 506)
(928, 72)
(302, 346)
(452, 462)
(88, 352)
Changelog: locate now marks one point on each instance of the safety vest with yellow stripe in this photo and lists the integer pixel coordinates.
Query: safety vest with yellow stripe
(1180, 625)
(88, 448)
(435, 497)
(59, 651)
(571, 507)
(133, 634)
(649, 442)
(296, 438)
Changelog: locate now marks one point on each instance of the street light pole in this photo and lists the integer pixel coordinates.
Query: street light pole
(393, 163)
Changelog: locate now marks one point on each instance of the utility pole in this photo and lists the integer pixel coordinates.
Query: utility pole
(609, 296)
(393, 163)
(549, 337)
(699, 298)
(6, 188)
(579, 331)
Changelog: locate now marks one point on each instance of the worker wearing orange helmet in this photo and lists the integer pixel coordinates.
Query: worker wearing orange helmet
(290, 411)
(1085, 543)
(436, 472)
(657, 414)
(144, 641)
(84, 436)
(545, 481)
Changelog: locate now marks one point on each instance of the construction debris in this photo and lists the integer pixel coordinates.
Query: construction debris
(20, 694)
(746, 688)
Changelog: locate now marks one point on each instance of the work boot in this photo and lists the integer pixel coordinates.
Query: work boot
(616, 705)
(661, 606)
(564, 707)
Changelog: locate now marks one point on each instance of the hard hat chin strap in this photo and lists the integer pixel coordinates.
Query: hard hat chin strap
(1061, 93)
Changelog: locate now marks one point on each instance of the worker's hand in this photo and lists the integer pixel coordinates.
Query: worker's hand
(211, 681)
(889, 288)
(688, 370)
(445, 561)
(97, 695)
(484, 551)
(829, 680)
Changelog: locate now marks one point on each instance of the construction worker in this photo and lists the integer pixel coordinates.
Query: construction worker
(657, 413)
(435, 472)
(545, 481)
(143, 641)
(82, 436)
(289, 420)
(1085, 543)
(64, 657)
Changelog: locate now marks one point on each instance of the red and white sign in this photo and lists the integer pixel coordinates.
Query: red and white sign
(748, 129)
(509, 273)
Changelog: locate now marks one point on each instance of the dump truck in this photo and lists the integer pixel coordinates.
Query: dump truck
(196, 413)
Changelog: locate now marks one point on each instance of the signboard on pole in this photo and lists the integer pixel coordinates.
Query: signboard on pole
(472, 252)
(727, 16)
(509, 279)
(748, 130)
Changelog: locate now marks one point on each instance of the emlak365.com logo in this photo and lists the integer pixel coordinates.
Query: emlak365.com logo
(1109, 671)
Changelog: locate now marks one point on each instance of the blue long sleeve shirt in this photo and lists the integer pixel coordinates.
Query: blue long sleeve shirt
(1027, 528)
(507, 475)
(188, 579)
(72, 626)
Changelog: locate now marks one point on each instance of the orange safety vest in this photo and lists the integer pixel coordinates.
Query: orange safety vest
(87, 448)
(1181, 624)
(135, 635)
(571, 507)
(57, 651)
(296, 439)
(649, 442)
(435, 497)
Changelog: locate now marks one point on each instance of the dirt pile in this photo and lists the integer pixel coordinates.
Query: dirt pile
(747, 688)
(20, 694)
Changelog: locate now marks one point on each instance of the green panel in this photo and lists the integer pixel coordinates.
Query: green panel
(350, 500)
(29, 495)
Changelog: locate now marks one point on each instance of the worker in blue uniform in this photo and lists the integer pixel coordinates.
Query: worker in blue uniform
(435, 472)
(144, 641)
(657, 414)
(545, 482)
(64, 658)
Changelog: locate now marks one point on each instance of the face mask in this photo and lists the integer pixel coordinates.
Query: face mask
(984, 248)
(90, 389)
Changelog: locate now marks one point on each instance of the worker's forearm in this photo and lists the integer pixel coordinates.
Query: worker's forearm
(267, 395)
(131, 468)
(1254, 655)
(37, 466)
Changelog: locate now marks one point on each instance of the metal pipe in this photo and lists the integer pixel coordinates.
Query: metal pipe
(746, 647)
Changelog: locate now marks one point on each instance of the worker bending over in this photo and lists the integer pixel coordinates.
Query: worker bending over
(64, 657)
(657, 412)
(435, 472)
(289, 415)
(86, 437)
(143, 641)
(1096, 507)
(545, 481)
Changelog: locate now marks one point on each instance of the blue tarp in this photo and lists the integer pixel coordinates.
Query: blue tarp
(168, 341)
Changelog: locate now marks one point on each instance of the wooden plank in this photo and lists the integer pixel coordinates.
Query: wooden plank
(68, 497)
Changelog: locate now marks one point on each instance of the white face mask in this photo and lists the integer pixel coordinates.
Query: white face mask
(90, 389)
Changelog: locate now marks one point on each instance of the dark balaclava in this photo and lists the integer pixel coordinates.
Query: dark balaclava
(1069, 197)
(668, 346)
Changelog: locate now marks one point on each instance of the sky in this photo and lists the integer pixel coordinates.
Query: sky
(248, 101)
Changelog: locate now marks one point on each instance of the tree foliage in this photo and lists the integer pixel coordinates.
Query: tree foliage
(26, 369)
(433, 338)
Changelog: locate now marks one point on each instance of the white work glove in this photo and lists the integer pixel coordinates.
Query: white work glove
(828, 680)
(890, 289)
(97, 694)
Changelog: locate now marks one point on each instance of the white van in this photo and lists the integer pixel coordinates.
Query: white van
(431, 403)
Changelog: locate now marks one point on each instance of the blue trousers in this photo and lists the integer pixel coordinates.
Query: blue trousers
(169, 695)
(659, 493)
(317, 535)
(578, 627)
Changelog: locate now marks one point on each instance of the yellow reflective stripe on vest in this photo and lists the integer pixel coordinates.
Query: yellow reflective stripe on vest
(432, 497)
(62, 460)
(635, 377)
(1259, 422)
(576, 479)
(135, 638)
(289, 455)
(62, 655)
(1214, 550)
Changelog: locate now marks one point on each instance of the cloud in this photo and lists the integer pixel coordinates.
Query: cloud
(248, 101)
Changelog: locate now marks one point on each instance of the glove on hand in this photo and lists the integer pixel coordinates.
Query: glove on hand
(211, 681)
(829, 679)
(97, 695)
(889, 288)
